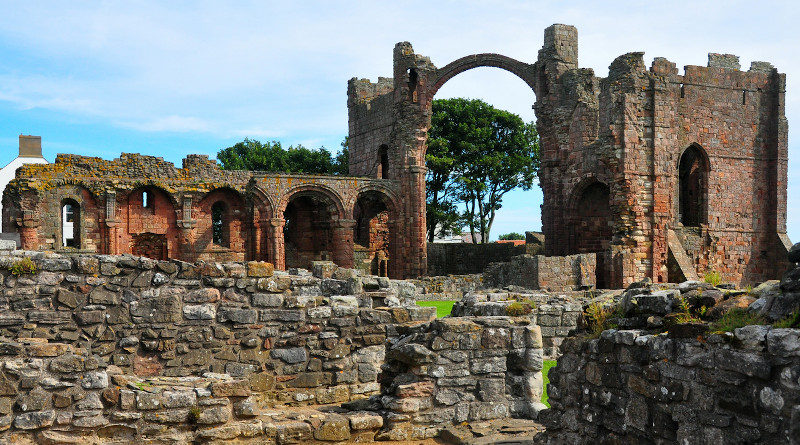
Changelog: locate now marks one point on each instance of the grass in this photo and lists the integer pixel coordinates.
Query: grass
(443, 308)
(713, 278)
(547, 365)
(600, 318)
(736, 318)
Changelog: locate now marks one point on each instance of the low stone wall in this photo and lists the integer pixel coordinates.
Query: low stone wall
(556, 316)
(448, 287)
(454, 370)
(628, 387)
(290, 340)
(465, 258)
(556, 273)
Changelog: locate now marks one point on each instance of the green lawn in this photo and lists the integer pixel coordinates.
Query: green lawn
(443, 308)
(547, 365)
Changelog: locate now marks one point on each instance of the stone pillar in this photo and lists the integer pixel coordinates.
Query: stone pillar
(28, 230)
(343, 242)
(186, 225)
(417, 261)
(112, 224)
(276, 243)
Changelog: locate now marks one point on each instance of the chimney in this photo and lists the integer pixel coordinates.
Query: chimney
(30, 146)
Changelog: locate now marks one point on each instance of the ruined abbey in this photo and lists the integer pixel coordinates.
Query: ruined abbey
(660, 175)
(164, 305)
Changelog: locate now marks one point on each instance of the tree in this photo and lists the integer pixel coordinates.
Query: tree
(511, 236)
(476, 154)
(272, 157)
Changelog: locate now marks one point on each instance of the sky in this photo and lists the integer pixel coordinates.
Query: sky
(174, 78)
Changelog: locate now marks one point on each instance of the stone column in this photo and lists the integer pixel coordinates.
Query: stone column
(276, 243)
(29, 230)
(343, 242)
(417, 263)
(112, 224)
(186, 225)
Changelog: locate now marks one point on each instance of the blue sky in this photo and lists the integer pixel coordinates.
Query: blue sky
(102, 78)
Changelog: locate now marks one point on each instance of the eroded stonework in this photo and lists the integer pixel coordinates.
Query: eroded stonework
(145, 206)
(664, 176)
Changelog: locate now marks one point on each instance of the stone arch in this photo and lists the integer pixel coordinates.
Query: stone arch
(86, 217)
(149, 231)
(375, 233)
(232, 226)
(522, 70)
(333, 198)
(312, 215)
(590, 224)
(693, 171)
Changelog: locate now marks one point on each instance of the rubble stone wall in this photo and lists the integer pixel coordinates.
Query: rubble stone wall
(627, 387)
(294, 340)
(465, 258)
(454, 370)
(557, 273)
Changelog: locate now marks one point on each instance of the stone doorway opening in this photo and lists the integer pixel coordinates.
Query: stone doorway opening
(308, 232)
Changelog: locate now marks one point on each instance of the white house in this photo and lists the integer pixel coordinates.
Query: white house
(30, 152)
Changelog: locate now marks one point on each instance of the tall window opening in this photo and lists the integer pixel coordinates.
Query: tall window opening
(693, 184)
(383, 168)
(218, 226)
(70, 224)
(413, 79)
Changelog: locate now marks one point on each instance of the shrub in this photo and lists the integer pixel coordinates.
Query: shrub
(600, 317)
(194, 415)
(23, 266)
(736, 318)
(713, 278)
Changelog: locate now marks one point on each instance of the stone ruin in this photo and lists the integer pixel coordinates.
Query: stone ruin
(657, 174)
(160, 319)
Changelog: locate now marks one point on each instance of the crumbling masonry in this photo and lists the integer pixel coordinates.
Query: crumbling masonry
(660, 175)
(663, 175)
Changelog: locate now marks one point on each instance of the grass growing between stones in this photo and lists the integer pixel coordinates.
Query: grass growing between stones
(545, 369)
(443, 308)
(736, 318)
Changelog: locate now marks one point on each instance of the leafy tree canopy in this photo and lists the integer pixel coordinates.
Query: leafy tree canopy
(476, 154)
(511, 236)
(271, 157)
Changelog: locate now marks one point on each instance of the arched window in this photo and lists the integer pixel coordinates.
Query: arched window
(383, 167)
(693, 185)
(70, 224)
(219, 225)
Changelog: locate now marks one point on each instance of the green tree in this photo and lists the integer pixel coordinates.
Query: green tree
(476, 154)
(511, 236)
(251, 154)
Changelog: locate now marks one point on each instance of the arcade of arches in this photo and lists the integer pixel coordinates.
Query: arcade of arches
(200, 212)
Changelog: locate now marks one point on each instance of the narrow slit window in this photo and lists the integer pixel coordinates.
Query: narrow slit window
(683, 91)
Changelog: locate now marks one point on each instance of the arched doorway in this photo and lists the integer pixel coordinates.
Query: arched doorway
(590, 225)
(373, 234)
(693, 186)
(308, 231)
